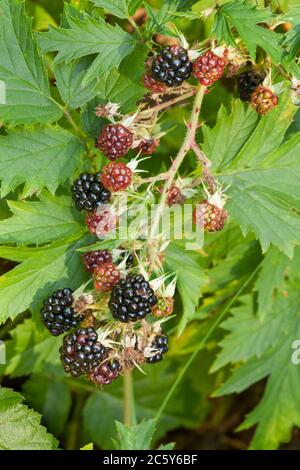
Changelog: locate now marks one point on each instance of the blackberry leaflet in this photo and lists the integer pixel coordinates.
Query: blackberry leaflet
(172, 66)
(132, 299)
(57, 314)
(81, 352)
(89, 193)
(160, 344)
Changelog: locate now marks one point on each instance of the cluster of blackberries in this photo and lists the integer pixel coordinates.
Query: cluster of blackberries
(89, 193)
(57, 313)
(172, 66)
(81, 352)
(132, 299)
(160, 347)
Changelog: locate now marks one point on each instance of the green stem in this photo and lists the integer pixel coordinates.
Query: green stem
(201, 344)
(129, 406)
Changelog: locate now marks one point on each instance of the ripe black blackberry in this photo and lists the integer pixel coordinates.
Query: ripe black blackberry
(132, 299)
(81, 352)
(57, 313)
(248, 82)
(94, 259)
(89, 193)
(160, 344)
(172, 66)
(105, 373)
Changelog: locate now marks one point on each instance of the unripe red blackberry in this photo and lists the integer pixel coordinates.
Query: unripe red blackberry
(210, 217)
(94, 259)
(58, 314)
(116, 176)
(174, 196)
(148, 146)
(81, 352)
(160, 347)
(101, 223)
(105, 373)
(89, 193)
(248, 82)
(106, 276)
(164, 307)
(172, 66)
(209, 67)
(153, 85)
(115, 140)
(132, 299)
(263, 100)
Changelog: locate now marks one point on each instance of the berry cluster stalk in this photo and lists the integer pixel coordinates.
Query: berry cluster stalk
(188, 144)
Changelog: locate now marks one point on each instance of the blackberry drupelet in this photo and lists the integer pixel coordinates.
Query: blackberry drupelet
(172, 66)
(263, 100)
(106, 276)
(89, 193)
(248, 82)
(80, 352)
(153, 85)
(209, 67)
(132, 299)
(210, 217)
(116, 176)
(174, 196)
(148, 146)
(160, 344)
(58, 315)
(105, 373)
(94, 259)
(115, 141)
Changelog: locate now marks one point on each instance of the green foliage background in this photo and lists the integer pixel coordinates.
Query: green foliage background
(238, 300)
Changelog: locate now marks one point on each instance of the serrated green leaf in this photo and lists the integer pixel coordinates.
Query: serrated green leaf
(42, 392)
(136, 437)
(40, 158)
(51, 218)
(278, 410)
(85, 36)
(271, 277)
(69, 78)
(244, 18)
(27, 97)
(190, 279)
(117, 88)
(119, 8)
(268, 134)
(30, 282)
(222, 143)
(20, 427)
(31, 350)
(266, 199)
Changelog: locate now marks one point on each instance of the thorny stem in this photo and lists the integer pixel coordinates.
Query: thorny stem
(135, 27)
(160, 107)
(129, 408)
(207, 175)
(188, 144)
